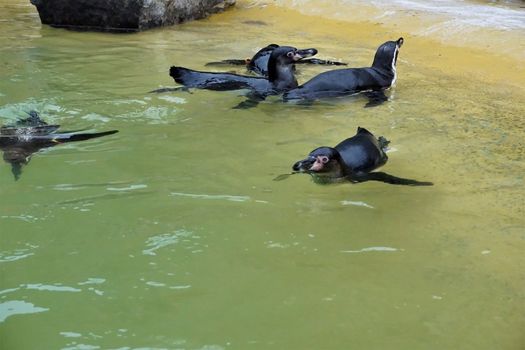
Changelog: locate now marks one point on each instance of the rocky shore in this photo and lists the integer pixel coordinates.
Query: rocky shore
(124, 15)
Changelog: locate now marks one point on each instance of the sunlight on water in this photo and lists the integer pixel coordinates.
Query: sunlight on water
(157, 242)
(18, 307)
(173, 234)
(372, 249)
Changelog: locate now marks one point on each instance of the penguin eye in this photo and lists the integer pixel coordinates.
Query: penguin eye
(290, 54)
(324, 159)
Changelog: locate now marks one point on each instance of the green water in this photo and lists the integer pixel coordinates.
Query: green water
(172, 235)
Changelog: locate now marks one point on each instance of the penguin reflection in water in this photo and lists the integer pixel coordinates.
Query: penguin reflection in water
(352, 160)
(27, 136)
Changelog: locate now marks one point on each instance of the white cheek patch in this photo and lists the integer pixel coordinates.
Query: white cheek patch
(318, 165)
(297, 57)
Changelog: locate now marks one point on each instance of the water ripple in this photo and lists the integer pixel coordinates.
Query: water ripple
(9, 256)
(58, 287)
(156, 242)
(227, 197)
(357, 204)
(25, 218)
(372, 249)
(52, 288)
(129, 188)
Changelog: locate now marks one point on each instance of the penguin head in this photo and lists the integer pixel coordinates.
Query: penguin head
(323, 162)
(289, 55)
(17, 157)
(386, 55)
(281, 62)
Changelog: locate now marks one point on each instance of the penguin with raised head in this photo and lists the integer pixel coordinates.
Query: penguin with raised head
(340, 82)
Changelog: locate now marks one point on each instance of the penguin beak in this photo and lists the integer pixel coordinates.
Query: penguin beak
(300, 54)
(303, 165)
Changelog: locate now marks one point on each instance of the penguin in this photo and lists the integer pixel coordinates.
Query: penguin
(340, 82)
(352, 160)
(258, 64)
(27, 136)
(280, 78)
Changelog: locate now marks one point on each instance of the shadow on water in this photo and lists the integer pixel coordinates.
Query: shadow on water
(374, 176)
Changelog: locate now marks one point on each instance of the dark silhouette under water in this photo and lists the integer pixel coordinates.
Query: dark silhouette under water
(27, 136)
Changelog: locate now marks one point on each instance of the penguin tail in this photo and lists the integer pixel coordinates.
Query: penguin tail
(383, 142)
(361, 130)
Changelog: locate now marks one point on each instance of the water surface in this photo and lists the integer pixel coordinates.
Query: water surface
(172, 234)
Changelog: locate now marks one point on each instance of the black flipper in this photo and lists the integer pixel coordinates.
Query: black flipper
(375, 98)
(161, 90)
(230, 62)
(62, 138)
(321, 62)
(389, 179)
(252, 101)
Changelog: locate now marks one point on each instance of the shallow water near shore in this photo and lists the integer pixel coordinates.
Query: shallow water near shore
(172, 233)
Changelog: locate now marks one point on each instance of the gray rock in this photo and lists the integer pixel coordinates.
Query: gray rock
(124, 15)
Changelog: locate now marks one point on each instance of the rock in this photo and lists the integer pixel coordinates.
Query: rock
(124, 15)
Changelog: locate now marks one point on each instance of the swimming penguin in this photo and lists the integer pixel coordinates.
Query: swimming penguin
(27, 136)
(280, 75)
(380, 76)
(259, 62)
(352, 160)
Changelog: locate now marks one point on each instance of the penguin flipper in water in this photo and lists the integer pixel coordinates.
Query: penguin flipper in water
(375, 98)
(322, 62)
(230, 62)
(389, 179)
(74, 136)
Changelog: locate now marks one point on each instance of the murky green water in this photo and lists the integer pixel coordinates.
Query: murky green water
(172, 234)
